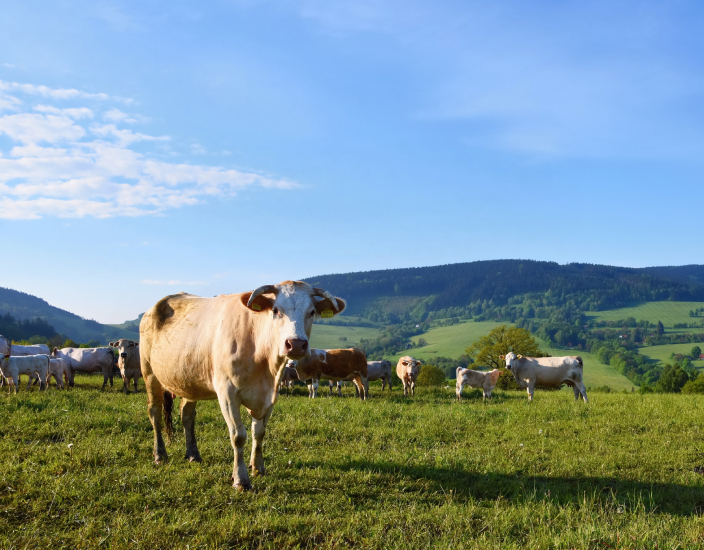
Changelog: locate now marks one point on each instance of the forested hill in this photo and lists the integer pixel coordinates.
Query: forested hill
(412, 293)
(25, 307)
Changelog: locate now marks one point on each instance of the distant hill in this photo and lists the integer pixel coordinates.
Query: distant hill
(410, 293)
(26, 306)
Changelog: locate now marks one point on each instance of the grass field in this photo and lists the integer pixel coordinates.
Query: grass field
(667, 312)
(662, 354)
(427, 472)
(328, 336)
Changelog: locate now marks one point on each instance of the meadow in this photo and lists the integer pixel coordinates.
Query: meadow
(661, 354)
(667, 312)
(427, 472)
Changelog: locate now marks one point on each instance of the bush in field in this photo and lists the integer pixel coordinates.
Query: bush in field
(694, 386)
(672, 379)
(430, 375)
(69, 344)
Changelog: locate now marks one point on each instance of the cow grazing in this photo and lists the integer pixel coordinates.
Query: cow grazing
(12, 367)
(128, 362)
(407, 370)
(22, 351)
(475, 379)
(231, 348)
(547, 371)
(87, 360)
(335, 365)
(289, 376)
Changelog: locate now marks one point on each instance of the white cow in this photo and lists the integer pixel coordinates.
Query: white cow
(12, 367)
(407, 370)
(58, 369)
(36, 349)
(5, 346)
(547, 371)
(87, 360)
(475, 379)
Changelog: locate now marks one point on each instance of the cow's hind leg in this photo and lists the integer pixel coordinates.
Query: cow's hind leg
(575, 389)
(188, 419)
(155, 403)
(136, 379)
(359, 385)
(258, 432)
(230, 406)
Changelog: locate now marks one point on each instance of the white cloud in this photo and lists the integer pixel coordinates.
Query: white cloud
(173, 283)
(115, 115)
(60, 164)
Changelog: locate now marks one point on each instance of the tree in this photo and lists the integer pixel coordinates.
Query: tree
(696, 352)
(430, 375)
(661, 328)
(422, 342)
(672, 379)
(488, 349)
(69, 344)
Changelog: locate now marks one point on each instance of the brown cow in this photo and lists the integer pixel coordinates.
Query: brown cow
(128, 362)
(407, 370)
(334, 365)
(231, 348)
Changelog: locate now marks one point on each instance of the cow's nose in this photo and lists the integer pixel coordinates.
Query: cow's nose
(123, 355)
(296, 346)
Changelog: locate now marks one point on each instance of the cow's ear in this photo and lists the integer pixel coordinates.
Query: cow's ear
(519, 356)
(502, 357)
(260, 303)
(136, 344)
(111, 344)
(325, 310)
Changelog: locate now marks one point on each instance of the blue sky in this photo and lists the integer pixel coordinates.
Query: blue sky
(152, 147)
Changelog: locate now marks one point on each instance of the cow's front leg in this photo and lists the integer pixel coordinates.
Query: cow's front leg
(230, 406)
(16, 383)
(458, 391)
(531, 390)
(575, 389)
(258, 432)
(155, 404)
(136, 379)
(413, 388)
(583, 391)
(188, 419)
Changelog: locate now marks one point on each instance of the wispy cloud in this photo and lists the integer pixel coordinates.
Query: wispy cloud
(62, 163)
(173, 283)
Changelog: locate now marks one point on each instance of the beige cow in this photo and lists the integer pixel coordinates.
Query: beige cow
(231, 348)
(407, 370)
(476, 379)
(13, 367)
(58, 369)
(128, 362)
(87, 360)
(547, 371)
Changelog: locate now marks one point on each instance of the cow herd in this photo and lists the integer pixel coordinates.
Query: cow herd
(241, 349)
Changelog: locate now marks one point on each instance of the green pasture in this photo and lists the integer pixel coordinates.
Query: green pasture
(328, 336)
(427, 472)
(667, 312)
(661, 354)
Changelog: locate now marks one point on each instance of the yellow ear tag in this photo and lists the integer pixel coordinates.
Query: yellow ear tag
(256, 307)
(326, 314)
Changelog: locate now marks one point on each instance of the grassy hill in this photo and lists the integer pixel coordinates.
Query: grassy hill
(661, 354)
(26, 306)
(667, 312)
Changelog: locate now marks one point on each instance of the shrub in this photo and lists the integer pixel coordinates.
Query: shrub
(694, 386)
(430, 375)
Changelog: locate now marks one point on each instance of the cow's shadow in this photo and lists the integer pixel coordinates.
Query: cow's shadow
(656, 497)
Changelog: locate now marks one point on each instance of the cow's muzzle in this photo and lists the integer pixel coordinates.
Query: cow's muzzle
(296, 347)
(123, 355)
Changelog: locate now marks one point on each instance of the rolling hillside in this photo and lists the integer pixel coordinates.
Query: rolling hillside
(26, 306)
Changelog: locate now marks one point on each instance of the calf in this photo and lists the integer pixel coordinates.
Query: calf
(13, 367)
(128, 362)
(333, 364)
(475, 379)
(407, 370)
(547, 371)
(58, 369)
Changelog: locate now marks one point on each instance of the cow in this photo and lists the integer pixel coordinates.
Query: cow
(475, 379)
(547, 371)
(5, 346)
(58, 368)
(87, 360)
(231, 348)
(12, 367)
(376, 370)
(407, 370)
(334, 365)
(37, 349)
(288, 377)
(128, 362)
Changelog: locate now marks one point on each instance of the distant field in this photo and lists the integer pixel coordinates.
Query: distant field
(452, 341)
(662, 353)
(328, 336)
(667, 312)
(427, 472)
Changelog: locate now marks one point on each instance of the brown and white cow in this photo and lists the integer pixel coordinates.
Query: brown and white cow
(289, 376)
(547, 371)
(128, 362)
(87, 360)
(334, 365)
(476, 379)
(12, 367)
(407, 370)
(376, 370)
(231, 348)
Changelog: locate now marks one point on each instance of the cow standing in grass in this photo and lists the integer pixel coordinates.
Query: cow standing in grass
(231, 348)
(376, 370)
(13, 367)
(407, 370)
(87, 360)
(551, 372)
(475, 379)
(334, 365)
(128, 362)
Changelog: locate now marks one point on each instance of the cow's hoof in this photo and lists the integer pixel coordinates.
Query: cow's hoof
(160, 459)
(194, 458)
(256, 472)
(242, 487)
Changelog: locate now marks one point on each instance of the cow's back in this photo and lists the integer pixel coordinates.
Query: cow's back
(345, 361)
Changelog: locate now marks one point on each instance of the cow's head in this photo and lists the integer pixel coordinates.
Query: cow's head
(125, 349)
(411, 366)
(494, 376)
(290, 308)
(510, 359)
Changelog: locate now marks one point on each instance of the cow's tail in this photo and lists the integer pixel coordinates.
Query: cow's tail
(168, 414)
(580, 361)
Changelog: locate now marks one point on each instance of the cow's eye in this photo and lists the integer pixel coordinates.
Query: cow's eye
(312, 313)
(276, 310)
